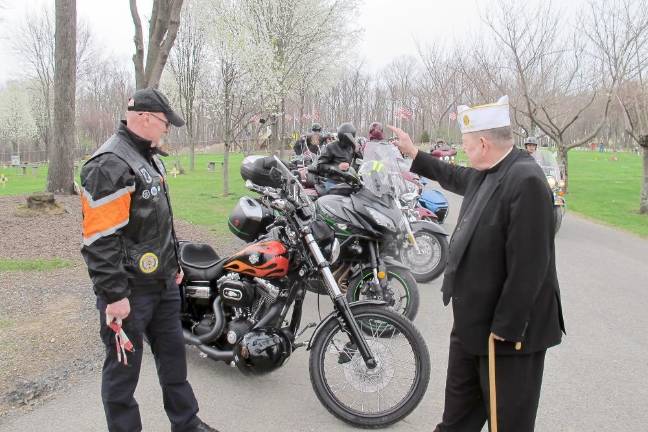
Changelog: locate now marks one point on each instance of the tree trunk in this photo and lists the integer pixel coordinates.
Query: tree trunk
(228, 133)
(302, 101)
(60, 177)
(164, 23)
(643, 204)
(563, 163)
(192, 149)
(282, 138)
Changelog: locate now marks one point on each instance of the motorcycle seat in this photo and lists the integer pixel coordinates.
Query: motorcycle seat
(200, 261)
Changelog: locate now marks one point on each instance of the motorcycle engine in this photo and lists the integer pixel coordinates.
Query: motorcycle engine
(262, 351)
(236, 292)
(248, 298)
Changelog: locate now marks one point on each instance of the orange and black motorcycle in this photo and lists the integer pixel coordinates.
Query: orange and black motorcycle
(369, 365)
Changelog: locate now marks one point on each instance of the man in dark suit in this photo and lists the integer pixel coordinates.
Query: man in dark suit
(501, 273)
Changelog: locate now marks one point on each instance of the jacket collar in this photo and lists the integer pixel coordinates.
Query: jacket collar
(504, 161)
(143, 146)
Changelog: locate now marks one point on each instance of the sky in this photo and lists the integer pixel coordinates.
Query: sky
(391, 27)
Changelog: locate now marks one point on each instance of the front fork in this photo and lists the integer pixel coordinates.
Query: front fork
(339, 300)
(410, 234)
(380, 279)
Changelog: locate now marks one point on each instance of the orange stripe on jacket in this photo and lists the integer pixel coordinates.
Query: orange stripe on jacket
(105, 216)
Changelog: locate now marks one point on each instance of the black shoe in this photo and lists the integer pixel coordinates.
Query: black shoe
(204, 427)
(347, 353)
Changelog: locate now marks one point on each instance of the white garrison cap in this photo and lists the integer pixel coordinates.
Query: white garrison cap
(482, 117)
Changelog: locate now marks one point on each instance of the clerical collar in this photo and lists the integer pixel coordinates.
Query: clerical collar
(492, 167)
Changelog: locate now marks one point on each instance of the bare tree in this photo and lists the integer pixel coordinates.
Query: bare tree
(34, 47)
(163, 29)
(60, 175)
(550, 72)
(283, 46)
(186, 61)
(236, 93)
(618, 31)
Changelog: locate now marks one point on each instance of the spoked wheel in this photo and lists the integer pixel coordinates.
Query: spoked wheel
(402, 286)
(363, 397)
(430, 262)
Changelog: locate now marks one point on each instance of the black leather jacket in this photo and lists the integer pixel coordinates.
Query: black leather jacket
(334, 154)
(129, 242)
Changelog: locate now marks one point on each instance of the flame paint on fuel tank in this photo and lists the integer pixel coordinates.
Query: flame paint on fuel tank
(265, 259)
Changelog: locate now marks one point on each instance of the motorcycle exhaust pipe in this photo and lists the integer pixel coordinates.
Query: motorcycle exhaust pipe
(216, 354)
(216, 330)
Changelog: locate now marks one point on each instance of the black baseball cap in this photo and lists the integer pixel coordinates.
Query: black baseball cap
(153, 100)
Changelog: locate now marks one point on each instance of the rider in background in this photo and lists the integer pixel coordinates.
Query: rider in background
(377, 139)
(531, 145)
(310, 141)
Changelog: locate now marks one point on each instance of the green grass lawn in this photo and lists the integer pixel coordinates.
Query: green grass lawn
(601, 189)
(607, 190)
(32, 265)
(19, 184)
(197, 196)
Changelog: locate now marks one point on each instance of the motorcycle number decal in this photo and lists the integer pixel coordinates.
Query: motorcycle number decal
(148, 263)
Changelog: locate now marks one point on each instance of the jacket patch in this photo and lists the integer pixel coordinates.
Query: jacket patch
(146, 175)
(148, 263)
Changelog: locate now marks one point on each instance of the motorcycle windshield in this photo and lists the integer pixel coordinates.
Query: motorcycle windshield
(382, 168)
(548, 162)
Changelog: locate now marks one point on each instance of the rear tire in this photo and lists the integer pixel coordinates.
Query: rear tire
(407, 299)
(435, 246)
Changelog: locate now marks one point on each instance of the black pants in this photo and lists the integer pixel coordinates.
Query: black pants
(519, 378)
(154, 313)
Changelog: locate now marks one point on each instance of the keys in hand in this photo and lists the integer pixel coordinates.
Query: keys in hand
(122, 342)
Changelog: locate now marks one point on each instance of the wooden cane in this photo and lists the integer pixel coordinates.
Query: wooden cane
(491, 379)
(491, 382)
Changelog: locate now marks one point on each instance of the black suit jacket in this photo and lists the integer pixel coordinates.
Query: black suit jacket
(503, 274)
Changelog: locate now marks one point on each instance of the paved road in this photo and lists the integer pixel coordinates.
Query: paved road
(595, 381)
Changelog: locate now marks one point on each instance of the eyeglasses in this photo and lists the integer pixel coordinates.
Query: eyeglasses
(163, 120)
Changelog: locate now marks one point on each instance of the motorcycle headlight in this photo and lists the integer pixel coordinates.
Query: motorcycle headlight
(381, 219)
(561, 184)
(552, 181)
(335, 251)
(446, 158)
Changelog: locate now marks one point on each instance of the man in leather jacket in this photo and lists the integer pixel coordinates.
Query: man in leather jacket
(130, 248)
(339, 154)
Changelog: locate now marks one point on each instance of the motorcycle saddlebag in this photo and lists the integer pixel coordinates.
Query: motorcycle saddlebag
(249, 219)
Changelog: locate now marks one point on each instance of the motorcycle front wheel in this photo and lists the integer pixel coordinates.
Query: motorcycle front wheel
(363, 397)
(430, 262)
(401, 284)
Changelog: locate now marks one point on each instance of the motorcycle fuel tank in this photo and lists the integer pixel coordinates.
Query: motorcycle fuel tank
(264, 259)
